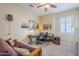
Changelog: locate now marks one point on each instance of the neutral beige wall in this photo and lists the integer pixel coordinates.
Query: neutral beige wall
(54, 20)
(48, 19)
(73, 12)
(20, 15)
(66, 38)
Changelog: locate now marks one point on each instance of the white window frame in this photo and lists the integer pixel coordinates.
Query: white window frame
(64, 24)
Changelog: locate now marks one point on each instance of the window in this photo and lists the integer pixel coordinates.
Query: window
(66, 24)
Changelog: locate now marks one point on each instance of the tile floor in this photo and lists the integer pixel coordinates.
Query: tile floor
(50, 49)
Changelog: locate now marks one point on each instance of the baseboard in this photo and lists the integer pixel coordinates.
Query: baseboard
(66, 43)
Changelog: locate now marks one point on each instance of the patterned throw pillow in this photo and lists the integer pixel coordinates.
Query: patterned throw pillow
(22, 51)
(11, 41)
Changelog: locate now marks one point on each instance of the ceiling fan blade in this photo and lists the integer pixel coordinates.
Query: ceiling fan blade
(40, 6)
(54, 6)
(31, 5)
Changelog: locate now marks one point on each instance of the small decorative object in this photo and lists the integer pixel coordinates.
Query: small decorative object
(47, 26)
(37, 27)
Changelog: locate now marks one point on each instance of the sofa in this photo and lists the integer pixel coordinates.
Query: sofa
(45, 36)
(7, 50)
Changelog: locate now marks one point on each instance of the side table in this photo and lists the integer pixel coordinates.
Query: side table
(57, 40)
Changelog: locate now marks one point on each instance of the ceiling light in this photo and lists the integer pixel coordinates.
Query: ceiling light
(47, 6)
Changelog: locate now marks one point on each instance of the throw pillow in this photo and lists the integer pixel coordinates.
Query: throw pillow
(11, 41)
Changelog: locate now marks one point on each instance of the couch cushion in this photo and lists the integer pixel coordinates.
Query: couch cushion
(5, 47)
(22, 51)
(21, 45)
(5, 54)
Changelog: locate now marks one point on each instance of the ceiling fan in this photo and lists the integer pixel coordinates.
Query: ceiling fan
(44, 5)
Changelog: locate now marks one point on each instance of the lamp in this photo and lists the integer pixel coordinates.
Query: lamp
(9, 17)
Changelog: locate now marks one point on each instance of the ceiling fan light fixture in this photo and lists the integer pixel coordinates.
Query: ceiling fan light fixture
(47, 6)
(45, 9)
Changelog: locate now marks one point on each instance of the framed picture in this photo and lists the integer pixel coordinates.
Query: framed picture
(46, 26)
(30, 24)
(24, 25)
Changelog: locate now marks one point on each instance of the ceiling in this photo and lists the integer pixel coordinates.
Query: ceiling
(60, 7)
